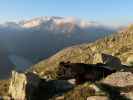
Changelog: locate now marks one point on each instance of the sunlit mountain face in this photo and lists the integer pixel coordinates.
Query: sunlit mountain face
(37, 39)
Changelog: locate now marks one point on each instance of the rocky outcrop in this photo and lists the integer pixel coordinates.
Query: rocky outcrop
(117, 86)
(106, 59)
(28, 86)
(83, 72)
(18, 83)
(23, 86)
(122, 82)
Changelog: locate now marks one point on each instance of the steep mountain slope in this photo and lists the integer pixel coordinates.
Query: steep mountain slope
(119, 45)
(42, 37)
(118, 85)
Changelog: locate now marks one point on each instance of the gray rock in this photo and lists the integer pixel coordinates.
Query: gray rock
(106, 59)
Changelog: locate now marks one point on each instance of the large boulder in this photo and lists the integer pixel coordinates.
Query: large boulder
(82, 72)
(106, 59)
(17, 86)
(23, 86)
(28, 86)
(120, 85)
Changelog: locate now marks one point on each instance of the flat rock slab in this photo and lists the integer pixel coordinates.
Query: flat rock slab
(120, 79)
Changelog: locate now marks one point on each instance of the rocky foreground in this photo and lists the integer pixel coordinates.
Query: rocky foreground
(42, 81)
(28, 86)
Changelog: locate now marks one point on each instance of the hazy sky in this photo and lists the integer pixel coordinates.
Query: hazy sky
(116, 12)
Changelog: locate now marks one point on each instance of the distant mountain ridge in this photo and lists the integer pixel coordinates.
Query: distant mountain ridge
(42, 37)
(59, 24)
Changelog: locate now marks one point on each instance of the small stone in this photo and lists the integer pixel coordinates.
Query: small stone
(93, 86)
(72, 81)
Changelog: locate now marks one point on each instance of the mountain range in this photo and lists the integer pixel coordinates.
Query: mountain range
(30, 41)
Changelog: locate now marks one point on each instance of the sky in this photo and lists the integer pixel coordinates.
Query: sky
(112, 12)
